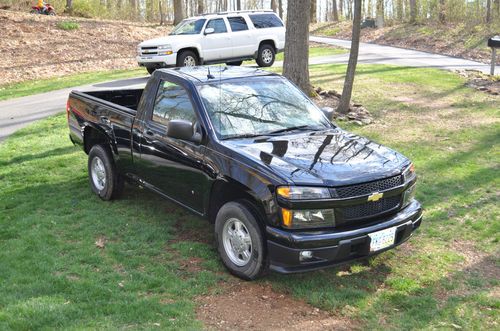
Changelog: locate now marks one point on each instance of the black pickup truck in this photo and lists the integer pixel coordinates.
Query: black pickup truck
(287, 189)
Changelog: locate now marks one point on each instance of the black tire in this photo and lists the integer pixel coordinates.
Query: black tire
(52, 13)
(266, 55)
(234, 63)
(112, 186)
(184, 56)
(257, 262)
(150, 70)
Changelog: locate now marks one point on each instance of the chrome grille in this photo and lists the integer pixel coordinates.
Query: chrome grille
(367, 188)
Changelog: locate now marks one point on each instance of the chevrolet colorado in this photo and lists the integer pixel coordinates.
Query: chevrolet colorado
(286, 189)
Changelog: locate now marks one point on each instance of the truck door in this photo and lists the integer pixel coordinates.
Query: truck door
(243, 40)
(172, 166)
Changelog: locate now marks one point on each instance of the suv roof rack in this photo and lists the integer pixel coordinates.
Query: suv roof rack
(240, 12)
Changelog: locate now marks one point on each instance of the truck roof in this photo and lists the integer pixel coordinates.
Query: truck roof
(205, 74)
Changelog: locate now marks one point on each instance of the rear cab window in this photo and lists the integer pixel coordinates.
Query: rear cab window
(237, 23)
(262, 21)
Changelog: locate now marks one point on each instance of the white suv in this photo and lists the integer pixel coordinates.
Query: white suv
(226, 37)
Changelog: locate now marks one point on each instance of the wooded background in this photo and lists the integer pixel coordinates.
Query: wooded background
(384, 11)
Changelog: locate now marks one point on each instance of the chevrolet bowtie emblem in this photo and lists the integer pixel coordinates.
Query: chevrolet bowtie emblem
(375, 196)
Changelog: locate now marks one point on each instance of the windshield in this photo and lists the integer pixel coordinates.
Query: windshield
(258, 107)
(188, 27)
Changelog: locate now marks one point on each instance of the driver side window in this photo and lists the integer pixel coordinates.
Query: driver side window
(172, 103)
(218, 25)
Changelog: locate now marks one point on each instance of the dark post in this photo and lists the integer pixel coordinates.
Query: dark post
(494, 43)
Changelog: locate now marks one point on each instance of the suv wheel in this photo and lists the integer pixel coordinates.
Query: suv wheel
(266, 55)
(240, 241)
(187, 59)
(104, 179)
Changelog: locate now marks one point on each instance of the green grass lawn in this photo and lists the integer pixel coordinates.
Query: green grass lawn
(22, 89)
(53, 275)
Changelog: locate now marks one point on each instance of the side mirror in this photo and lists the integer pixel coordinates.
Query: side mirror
(184, 130)
(328, 111)
(209, 31)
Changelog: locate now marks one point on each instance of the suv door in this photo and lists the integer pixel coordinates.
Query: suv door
(172, 166)
(244, 44)
(216, 45)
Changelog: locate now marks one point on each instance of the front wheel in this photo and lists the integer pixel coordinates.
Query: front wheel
(104, 179)
(240, 241)
(266, 55)
(52, 13)
(187, 59)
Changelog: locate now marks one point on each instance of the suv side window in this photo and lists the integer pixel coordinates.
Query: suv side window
(237, 23)
(262, 21)
(172, 103)
(218, 25)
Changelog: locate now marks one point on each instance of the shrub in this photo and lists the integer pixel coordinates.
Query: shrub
(67, 25)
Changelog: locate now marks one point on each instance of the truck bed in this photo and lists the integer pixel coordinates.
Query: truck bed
(124, 100)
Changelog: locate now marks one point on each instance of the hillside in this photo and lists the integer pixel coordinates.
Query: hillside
(36, 46)
(460, 40)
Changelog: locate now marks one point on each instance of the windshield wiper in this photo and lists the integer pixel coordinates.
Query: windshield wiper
(238, 136)
(299, 127)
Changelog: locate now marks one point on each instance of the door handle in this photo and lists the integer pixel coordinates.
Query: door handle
(105, 120)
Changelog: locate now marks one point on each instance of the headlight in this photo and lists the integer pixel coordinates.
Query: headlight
(303, 193)
(165, 47)
(409, 195)
(409, 173)
(305, 219)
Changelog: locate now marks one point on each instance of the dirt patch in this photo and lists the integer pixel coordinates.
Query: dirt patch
(251, 306)
(33, 47)
(482, 82)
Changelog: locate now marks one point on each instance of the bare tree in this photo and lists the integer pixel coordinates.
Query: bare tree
(442, 11)
(488, 11)
(274, 6)
(345, 100)
(295, 65)
(413, 11)
(313, 11)
(379, 17)
(178, 11)
(201, 7)
(335, 11)
(280, 8)
(162, 14)
(238, 4)
(69, 6)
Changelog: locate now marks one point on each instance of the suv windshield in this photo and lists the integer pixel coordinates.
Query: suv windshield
(258, 107)
(188, 27)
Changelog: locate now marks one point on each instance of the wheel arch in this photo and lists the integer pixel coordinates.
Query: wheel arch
(93, 136)
(193, 49)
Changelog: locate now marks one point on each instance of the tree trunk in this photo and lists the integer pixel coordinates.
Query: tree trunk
(178, 11)
(335, 11)
(488, 11)
(274, 6)
(295, 65)
(399, 10)
(280, 8)
(69, 6)
(379, 20)
(313, 11)
(201, 7)
(442, 13)
(345, 100)
(413, 11)
(238, 4)
(341, 7)
(160, 9)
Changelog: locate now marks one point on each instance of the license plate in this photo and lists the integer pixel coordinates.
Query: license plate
(147, 57)
(382, 239)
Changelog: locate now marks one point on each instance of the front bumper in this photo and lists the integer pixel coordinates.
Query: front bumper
(331, 247)
(157, 61)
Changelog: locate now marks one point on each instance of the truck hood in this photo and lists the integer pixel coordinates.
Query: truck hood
(332, 157)
(168, 40)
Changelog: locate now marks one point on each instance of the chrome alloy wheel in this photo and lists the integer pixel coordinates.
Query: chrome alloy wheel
(98, 173)
(267, 56)
(237, 242)
(189, 61)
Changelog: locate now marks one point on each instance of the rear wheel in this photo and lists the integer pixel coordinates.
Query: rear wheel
(187, 59)
(240, 241)
(52, 13)
(234, 63)
(104, 179)
(266, 55)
